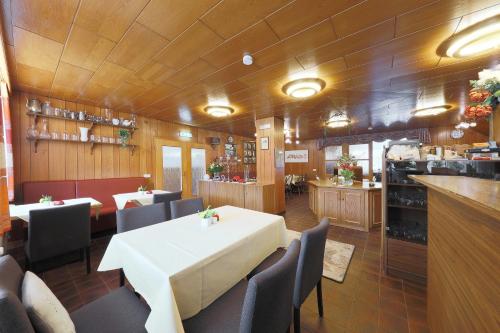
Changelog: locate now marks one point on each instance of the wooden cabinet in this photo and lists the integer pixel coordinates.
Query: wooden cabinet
(355, 207)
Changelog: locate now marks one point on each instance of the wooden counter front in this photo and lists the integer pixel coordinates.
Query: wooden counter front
(253, 196)
(356, 207)
(463, 294)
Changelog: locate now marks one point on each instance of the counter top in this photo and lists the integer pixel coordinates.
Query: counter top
(356, 186)
(476, 192)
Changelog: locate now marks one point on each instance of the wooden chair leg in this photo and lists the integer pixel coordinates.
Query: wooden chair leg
(319, 295)
(296, 320)
(87, 254)
(122, 278)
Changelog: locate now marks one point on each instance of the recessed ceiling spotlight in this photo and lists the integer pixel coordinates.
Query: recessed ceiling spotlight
(431, 111)
(303, 88)
(247, 59)
(478, 38)
(219, 110)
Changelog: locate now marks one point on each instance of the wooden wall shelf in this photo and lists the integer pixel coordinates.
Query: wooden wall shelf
(92, 143)
(92, 123)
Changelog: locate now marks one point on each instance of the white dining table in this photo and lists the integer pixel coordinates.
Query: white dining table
(23, 211)
(181, 267)
(139, 198)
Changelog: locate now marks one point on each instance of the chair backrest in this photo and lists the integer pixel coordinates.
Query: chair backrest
(167, 198)
(310, 267)
(139, 217)
(268, 301)
(58, 230)
(180, 208)
(13, 316)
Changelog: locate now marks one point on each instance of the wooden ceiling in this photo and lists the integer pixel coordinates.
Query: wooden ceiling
(168, 59)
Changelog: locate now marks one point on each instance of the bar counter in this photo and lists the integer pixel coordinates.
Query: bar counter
(463, 267)
(358, 206)
(255, 196)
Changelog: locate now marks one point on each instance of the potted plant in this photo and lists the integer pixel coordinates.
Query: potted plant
(142, 189)
(346, 169)
(124, 135)
(45, 199)
(215, 168)
(207, 216)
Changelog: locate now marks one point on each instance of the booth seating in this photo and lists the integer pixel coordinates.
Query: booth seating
(101, 190)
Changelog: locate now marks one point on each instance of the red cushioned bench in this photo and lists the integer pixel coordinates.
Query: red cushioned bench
(101, 190)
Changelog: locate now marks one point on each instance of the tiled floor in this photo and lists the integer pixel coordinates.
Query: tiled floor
(366, 301)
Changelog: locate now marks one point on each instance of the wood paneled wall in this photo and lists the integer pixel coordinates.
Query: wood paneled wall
(70, 160)
(439, 136)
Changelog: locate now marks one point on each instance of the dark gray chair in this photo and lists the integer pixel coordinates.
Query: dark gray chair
(167, 198)
(261, 305)
(309, 269)
(138, 217)
(57, 231)
(118, 311)
(180, 208)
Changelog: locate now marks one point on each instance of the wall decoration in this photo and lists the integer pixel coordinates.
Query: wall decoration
(264, 143)
(297, 156)
(249, 152)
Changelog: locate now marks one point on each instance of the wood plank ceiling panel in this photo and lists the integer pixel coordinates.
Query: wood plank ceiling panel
(168, 59)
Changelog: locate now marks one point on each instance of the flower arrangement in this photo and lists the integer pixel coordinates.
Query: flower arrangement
(142, 188)
(124, 136)
(215, 167)
(346, 167)
(484, 95)
(45, 199)
(208, 213)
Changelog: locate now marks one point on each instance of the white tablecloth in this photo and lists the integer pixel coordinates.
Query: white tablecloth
(139, 198)
(180, 267)
(23, 211)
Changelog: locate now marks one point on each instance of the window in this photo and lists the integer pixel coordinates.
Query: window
(332, 155)
(377, 151)
(361, 154)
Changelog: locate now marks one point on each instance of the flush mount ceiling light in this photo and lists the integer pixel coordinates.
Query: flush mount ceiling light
(432, 111)
(478, 38)
(303, 88)
(219, 110)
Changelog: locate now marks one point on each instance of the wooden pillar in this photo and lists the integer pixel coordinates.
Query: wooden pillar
(271, 157)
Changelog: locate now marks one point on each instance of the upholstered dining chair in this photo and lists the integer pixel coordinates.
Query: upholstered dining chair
(262, 304)
(56, 231)
(309, 269)
(167, 198)
(118, 311)
(138, 217)
(180, 208)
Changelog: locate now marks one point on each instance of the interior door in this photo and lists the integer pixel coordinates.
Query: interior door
(198, 164)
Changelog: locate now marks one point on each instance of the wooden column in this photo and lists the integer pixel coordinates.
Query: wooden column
(271, 161)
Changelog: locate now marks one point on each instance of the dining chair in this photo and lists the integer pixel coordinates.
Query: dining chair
(138, 217)
(309, 269)
(118, 311)
(56, 231)
(180, 208)
(262, 304)
(167, 198)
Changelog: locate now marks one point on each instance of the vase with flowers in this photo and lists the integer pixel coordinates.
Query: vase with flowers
(215, 168)
(346, 169)
(208, 216)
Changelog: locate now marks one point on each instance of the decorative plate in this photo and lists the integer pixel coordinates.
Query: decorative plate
(457, 134)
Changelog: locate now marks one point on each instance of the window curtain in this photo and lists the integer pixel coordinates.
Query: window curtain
(421, 134)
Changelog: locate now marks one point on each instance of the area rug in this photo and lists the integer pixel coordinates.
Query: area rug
(337, 257)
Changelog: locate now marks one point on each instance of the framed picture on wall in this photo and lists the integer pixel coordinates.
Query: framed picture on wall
(264, 143)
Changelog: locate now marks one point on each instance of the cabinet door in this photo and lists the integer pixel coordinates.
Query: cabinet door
(352, 207)
(376, 205)
(312, 198)
(331, 205)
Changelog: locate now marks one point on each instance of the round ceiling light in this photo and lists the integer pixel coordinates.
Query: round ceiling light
(303, 88)
(219, 110)
(432, 111)
(478, 38)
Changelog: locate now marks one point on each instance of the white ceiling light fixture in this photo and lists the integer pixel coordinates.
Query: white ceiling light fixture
(297, 142)
(219, 111)
(303, 88)
(431, 111)
(478, 38)
(288, 140)
(247, 59)
(338, 120)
